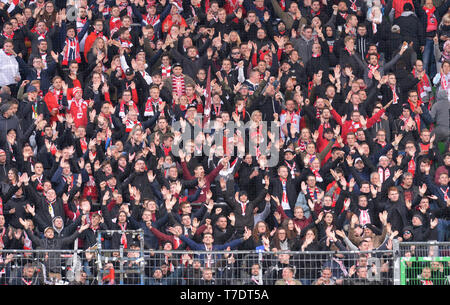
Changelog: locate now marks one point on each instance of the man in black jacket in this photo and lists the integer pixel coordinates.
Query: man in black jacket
(50, 242)
(240, 205)
(411, 28)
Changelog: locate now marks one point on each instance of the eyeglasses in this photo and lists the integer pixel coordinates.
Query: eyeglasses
(235, 53)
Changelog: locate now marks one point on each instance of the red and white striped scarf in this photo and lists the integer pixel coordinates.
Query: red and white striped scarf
(114, 24)
(130, 124)
(123, 6)
(444, 82)
(372, 69)
(302, 145)
(122, 108)
(153, 20)
(313, 192)
(72, 51)
(353, 6)
(384, 173)
(165, 72)
(317, 174)
(178, 85)
(364, 217)
(150, 105)
(42, 36)
(125, 43)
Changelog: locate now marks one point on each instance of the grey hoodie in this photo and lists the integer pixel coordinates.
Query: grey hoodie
(440, 115)
(303, 47)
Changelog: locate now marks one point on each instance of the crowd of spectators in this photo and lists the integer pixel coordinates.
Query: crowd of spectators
(356, 95)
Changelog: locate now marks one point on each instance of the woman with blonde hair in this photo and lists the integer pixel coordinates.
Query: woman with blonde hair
(98, 52)
(233, 39)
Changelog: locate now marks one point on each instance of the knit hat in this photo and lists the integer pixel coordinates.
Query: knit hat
(76, 90)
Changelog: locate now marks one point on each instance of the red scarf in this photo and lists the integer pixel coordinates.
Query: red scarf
(83, 144)
(11, 36)
(423, 87)
(130, 124)
(150, 105)
(412, 166)
(445, 192)
(355, 126)
(372, 69)
(416, 116)
(114, 24)
(432, 23)
(239, 114)
(424, 147)
(72, 51)
(123, 238)
(122, 108)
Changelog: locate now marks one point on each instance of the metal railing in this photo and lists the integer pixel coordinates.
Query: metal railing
(136, 266)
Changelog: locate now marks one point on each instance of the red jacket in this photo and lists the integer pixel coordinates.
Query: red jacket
(78, 110)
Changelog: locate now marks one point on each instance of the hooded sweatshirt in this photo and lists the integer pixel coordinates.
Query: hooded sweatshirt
(440, 113)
